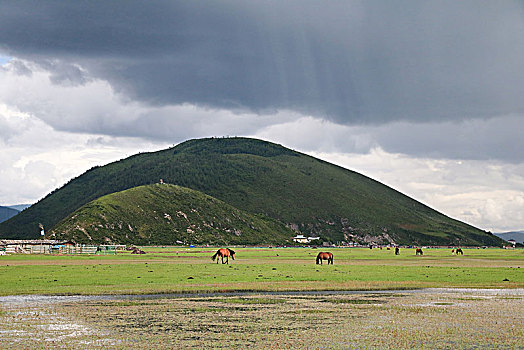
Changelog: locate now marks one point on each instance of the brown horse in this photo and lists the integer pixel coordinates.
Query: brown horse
(459, 251)
(325, 256)
(419, 252)
(224, 253)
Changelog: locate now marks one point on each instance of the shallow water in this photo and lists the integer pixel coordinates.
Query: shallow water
(52, 299)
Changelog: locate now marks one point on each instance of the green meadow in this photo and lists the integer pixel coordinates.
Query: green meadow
(180, 269)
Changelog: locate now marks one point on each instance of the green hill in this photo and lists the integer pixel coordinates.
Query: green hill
(164, 214)
(305, 193)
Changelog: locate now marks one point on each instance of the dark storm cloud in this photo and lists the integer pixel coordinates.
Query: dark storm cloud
(496, 138)
(351, 62)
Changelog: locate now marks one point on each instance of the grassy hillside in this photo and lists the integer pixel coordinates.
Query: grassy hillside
(306, 193)
(164, 214)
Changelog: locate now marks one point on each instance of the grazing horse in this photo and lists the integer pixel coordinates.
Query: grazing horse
(419, 251)
(137, 251)
(325, 256)
(459, 251)
(224, 253)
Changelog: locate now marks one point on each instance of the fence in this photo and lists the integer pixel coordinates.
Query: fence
(70, 249)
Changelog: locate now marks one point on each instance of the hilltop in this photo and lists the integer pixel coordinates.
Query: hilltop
(258, 177)
(163, 214)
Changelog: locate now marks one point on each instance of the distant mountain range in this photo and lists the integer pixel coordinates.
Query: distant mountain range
(7, 213)
(258, 179)
(517, 236)
(20, 207)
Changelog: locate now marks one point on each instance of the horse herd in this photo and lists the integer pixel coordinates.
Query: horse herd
(226, 253)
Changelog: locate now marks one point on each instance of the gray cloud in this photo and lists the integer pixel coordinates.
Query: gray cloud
(18, 67)
(66, 74)
(365, 82)
(354, 62)
(495, 138)
(476, 139)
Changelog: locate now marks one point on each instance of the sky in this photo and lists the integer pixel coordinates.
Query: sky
(424, 96)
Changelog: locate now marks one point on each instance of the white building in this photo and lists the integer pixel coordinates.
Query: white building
(304, 239)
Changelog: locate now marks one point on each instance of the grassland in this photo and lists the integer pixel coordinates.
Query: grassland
(254, 317)
(177, 269)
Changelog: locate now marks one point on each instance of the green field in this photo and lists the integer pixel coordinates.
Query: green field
(441, 318)
(180, 269)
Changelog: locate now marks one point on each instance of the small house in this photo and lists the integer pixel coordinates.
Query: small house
(33, 246)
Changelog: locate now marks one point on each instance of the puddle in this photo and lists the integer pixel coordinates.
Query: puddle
(16, 300)
(53, 299)
(485, 291)
(29, 324)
